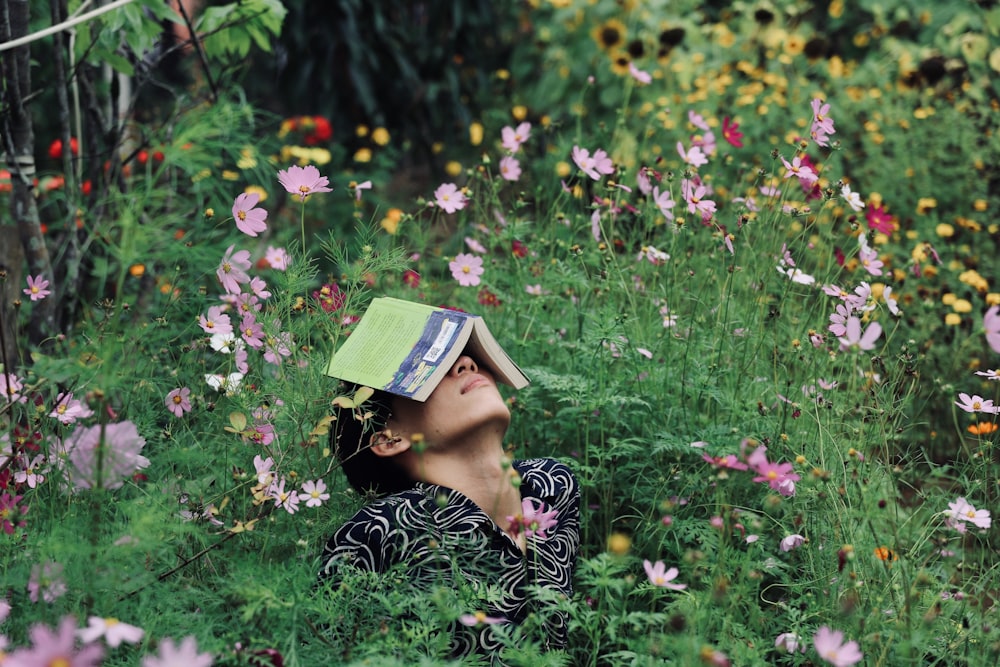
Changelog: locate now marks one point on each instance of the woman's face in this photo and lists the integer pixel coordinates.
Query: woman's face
(467, 403)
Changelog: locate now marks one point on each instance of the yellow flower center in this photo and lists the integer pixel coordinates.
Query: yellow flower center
(242, 215)
(465, 269)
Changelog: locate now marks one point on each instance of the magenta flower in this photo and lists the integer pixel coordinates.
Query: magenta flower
(249, 220)
(779, 476)
(314, 493)
(184, 654)
(104, 455)
(962, 510)
(232, 271)
(660, 576)
(114, 632)
(534, 521)
(731, 133)
(68, 410)
(466, 269)
(10, 512)
(46, 582)
(56, 648)
(879, 220)
(37, 287)
(178, 401)
(831, 648)
(594, 166)
(991, 324)
(450, 198)
(857, 339)
(510, 168)
(512, 138)
(303, 181)
(216, 321)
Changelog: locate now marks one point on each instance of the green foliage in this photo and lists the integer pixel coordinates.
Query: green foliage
(235, 28)
(658, 347)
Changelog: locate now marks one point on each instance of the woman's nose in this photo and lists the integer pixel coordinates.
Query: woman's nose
(464, 364)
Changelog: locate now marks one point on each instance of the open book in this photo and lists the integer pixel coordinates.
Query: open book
(407, 348)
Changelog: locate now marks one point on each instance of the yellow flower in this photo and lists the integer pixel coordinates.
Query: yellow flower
(390, 223)
(953, 319)
(259, 191)
(519, 112)
(563, 169)
(925, 204)
(453, 168)
(982, 428)
(794, 44)
(962, 306)
(380, 136)
(363, 154)
(610, 34)
(230, 175)
(361, 131)
(475, 133)
(619, 543)
(993, 299)
(836, 9)
(979, 205)
(944, 230)
(247, 160)
(948, 299)
(884, 553)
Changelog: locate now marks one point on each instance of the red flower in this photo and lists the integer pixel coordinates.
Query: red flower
(731, 133)
(56, 147)
(330, 298)
(411, 278)
(879, 219)
(320, 131)
(488, 298)
(518, 249)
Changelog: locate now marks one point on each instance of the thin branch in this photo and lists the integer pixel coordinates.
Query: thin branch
(65, 25)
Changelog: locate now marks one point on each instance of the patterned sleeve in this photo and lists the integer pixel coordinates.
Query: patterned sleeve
(361, 542)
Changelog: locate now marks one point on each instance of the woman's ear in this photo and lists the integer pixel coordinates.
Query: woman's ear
(385, 444)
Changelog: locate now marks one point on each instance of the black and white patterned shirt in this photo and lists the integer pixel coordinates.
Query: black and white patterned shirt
(439, 535)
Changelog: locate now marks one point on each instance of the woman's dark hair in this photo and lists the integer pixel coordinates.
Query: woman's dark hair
(350, 439)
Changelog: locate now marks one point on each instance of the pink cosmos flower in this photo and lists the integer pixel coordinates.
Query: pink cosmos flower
(289, 500)
(37, 287)
(263, 469)
(10, 388)
(697, 120)
(870, 261)
(215, 321)
(178, 401)
(466, 269)
(252, 331)
(480, 618)
(822, 124)
(534, 521)
(249, 220)
(314, 493)
(594, 166)
(831, 648)
(510, 168)
(55, 648)
(277, 258)
(30, 475)
(976, 404)
(660, 576)
(639, 75)
(777, 475)
(664, 202)
(962, 510)
(114, 632)
(450, 198)
(790, 542)
(857, 339)
(46, 582)
(474, 245)
(359, 188)
(694, 157)
(258, 286)
(512, 138)
(277, 346)
(232, 271)
(789, 642)
(991, 325)
(104, 455)
(990, 374)
(695, 195)
(68, 410)
(802, 171)
(731, 133)
(303, 181)
(10, 513)
(184, 654)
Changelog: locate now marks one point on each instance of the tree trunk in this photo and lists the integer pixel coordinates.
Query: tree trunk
(19, 144)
